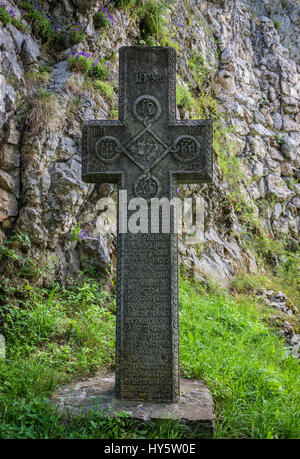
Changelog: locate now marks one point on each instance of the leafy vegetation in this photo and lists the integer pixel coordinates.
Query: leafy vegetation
(5, 17)
(184, 98)
(277, 25)
(150, 13)
(101, 20)
(254, 379)
(104, 88)
(42, 25)
(77, 37)
(55, 335)
(90, 67)
(125, 3)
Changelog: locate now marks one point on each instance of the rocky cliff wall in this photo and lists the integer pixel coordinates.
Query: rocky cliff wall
(238, 62)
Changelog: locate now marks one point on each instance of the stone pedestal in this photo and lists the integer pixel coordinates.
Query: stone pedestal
(194, 409)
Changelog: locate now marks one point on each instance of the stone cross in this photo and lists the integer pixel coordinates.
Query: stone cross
(147, 152)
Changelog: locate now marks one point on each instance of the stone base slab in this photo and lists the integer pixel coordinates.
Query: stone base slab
(195, 407)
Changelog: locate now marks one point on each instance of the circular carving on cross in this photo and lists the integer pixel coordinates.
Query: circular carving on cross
(146, 109)
(107, 149)
(147, 186)
(186, 148)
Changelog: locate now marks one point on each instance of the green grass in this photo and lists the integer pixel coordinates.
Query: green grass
(77, 37)
(125, 3)
(6, 18)
(253, 378)
(277, 25)
(86, 66)
(58, 335)
(104, 88)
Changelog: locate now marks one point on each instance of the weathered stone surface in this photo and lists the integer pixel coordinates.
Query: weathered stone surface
(258, 170)
(296, 201)
(12, 134)
(290, 105)
(255, 55)
(291, 146)
(2, 100)
(290, 125)
(280, 227)
(276, 155)
(10, 64)
(17, 36)
(60, 74)
(30, 51)
(147, 366)
(2, 347)
(66, 176)
(93, 251)
(285, 307)
(286, 170)
(7, 182)
(8, 205)
(277, 187)
(259, 129)
(9, 157)
(257, 147)
(272, 167)
(195, 407)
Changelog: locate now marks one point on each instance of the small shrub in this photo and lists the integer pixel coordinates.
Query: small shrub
(44, 93)
(77, 37)
(42, 24)
(113, 115)
(277, 25)
(45, 68)
(124, 3)
(18, 24)
(184, 98)
(5, 17)
(152, 22)
(100, 20)
(104, 88)
(77, 234)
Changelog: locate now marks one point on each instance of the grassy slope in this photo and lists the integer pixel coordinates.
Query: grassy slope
(252, 376)
(63, 335)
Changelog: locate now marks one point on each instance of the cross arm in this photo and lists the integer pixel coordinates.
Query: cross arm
(189, 152)
(101, 151)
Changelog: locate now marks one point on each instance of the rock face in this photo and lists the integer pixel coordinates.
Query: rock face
(284, 307)
(252, 67)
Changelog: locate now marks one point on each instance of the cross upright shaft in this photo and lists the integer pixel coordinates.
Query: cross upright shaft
(147, 152)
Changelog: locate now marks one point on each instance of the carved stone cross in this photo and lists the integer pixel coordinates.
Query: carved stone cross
(147, 152)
